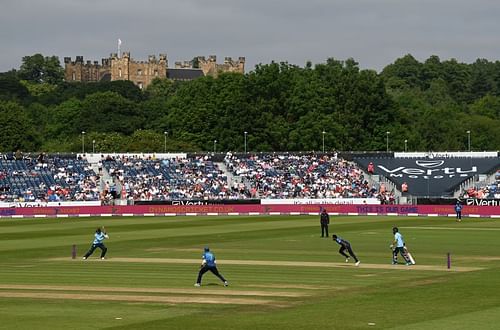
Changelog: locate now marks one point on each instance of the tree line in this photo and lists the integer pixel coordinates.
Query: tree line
(412, 105)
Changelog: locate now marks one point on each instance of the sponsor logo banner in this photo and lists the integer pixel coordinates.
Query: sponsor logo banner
(482, 202)
(444, 210)
(335, 201)
(46, 204)
(430, 155)
(431, 177)
(200, 202)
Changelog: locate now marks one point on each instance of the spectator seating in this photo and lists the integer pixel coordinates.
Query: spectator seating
(489, 191)
(170, 179)
(259, 176)
(304, 176)
(47, 179)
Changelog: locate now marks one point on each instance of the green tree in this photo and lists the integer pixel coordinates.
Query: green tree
(488, 106)
(17, 131)
(146, 141)
(108, 112)
(11, 89)
(407, 69)
(40, 69)
(160, 88)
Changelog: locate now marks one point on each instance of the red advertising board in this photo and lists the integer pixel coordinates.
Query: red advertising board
(159, 210)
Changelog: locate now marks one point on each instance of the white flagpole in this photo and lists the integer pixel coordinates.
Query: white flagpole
(119, 44)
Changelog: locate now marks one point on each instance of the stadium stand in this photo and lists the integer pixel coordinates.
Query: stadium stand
(171, 179)
(47, 179)
(145, 178)
(304, 176)
(488, 191)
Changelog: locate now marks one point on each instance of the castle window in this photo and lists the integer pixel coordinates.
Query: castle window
(139, 72)
(156, 73)
(73, 76)
(139, 84)
(120, 72)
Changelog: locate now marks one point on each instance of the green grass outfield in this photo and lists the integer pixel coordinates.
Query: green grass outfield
(282, 275)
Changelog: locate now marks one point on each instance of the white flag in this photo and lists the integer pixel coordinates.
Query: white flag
(119, 41)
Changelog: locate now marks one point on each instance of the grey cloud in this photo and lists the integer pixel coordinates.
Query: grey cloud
(373, 32)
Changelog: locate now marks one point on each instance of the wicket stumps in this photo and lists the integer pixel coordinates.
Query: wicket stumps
(73, 252)
(448, 257)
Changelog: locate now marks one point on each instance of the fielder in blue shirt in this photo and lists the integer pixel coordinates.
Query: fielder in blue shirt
(345, 245)
(99, 237)
(458, 210)
(209, 264)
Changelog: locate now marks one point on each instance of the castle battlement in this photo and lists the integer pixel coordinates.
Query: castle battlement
(142, 73)
(210, 66)
(79, 61)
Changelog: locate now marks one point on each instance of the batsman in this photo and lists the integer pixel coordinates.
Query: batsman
(99, 236)
(398, 246)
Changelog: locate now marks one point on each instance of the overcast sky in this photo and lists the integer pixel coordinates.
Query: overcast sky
(373, 32)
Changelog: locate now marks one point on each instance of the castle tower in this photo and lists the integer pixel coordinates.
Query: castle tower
(84, 71)
(120, 66)
(139, 72)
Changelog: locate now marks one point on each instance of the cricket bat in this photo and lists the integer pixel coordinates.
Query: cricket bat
(105, 233)
(409, 256)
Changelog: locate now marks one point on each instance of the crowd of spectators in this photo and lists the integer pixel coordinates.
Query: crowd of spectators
(170, 179)
(304, 176)
(264, 176)
(43, 179)
(488, 191)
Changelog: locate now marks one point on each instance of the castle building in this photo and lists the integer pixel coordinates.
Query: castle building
(142, 73)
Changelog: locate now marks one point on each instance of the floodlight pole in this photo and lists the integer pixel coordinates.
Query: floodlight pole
(165, 141)
(468, 140)
(323, 141)
(387, 140)
(83, 142)
(245, 141)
